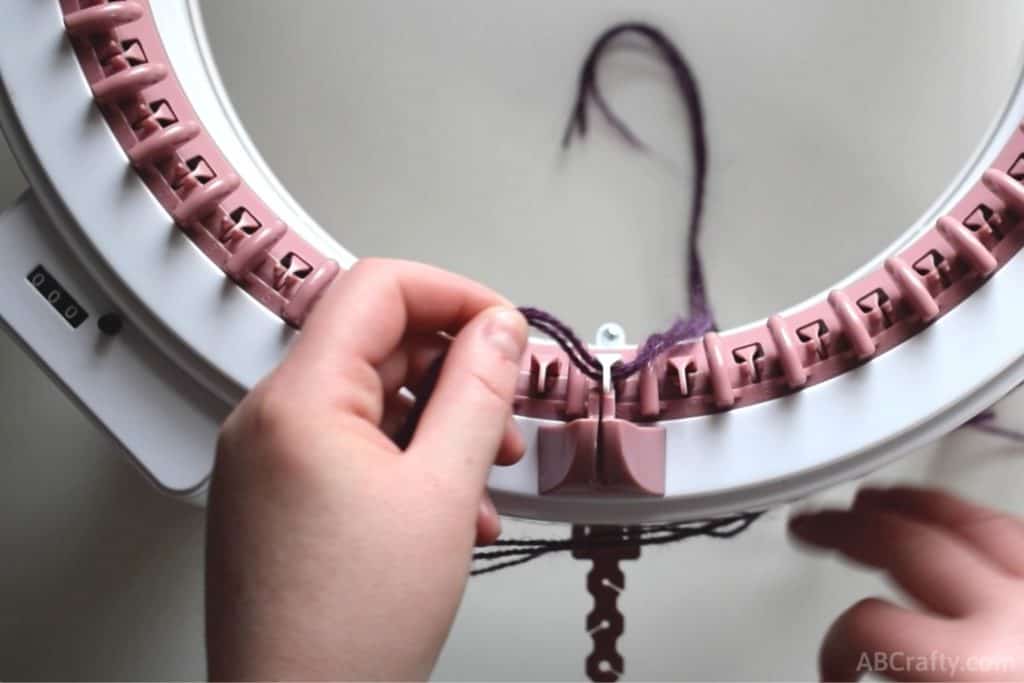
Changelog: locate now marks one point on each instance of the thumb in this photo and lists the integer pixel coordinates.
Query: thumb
(466, 416)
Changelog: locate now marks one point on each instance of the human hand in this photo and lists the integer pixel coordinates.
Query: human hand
(332, 554)
(963, 564)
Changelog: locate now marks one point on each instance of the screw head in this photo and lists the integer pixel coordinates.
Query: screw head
(610, 334)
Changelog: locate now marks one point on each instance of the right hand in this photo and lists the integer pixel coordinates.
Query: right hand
(962, 563)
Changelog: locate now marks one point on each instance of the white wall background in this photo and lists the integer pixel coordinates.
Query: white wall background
(429, 130)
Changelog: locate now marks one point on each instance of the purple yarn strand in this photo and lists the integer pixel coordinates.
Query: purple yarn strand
(985, 422)
(701, 319)
(566, 338)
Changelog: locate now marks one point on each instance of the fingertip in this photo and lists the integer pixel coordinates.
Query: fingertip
(488, 525)
(799, 525)
(513, 446)
(800, 520)
(803, 519)
(470, 407)
(817, 528)
(505, 329)
(870, 496)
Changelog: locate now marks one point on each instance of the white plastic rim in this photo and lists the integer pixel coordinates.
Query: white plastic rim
(749, 458)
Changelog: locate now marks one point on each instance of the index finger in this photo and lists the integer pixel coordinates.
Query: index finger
(369, 310)
(934, 567)
(998, 537)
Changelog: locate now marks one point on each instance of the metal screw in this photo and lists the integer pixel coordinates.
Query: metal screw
(610, 334)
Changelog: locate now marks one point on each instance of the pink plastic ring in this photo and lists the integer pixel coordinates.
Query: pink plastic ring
(853, 324)
(162, 143)
(129, 82)
(967, 245)
(721, 386)
(204, 199)
(912, 289)
(1005, 187)
(789, 355)
(101, 18)
(253, 249)
(309, 291)
(650, 403)
(575, 393)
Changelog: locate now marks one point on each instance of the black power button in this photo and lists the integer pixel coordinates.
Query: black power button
(110, 324)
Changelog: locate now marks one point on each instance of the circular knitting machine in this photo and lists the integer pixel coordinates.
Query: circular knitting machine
(158, 270)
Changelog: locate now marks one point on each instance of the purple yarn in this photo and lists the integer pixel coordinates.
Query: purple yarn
(701, 318)
(565, 337)
(984, 422)
(681, 330)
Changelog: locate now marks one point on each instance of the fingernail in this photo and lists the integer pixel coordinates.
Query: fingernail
(506, 332)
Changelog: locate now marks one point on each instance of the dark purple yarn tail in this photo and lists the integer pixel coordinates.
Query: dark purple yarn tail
(508, 553)
(701, 319)
(985, 422)
(683, 329)
(566, 338)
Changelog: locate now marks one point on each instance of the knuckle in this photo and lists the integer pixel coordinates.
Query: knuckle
(229, 436)
(268, 413)
(274, 442)
(983, 522)
(360, 394)
(262, 422)
(371, 267)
